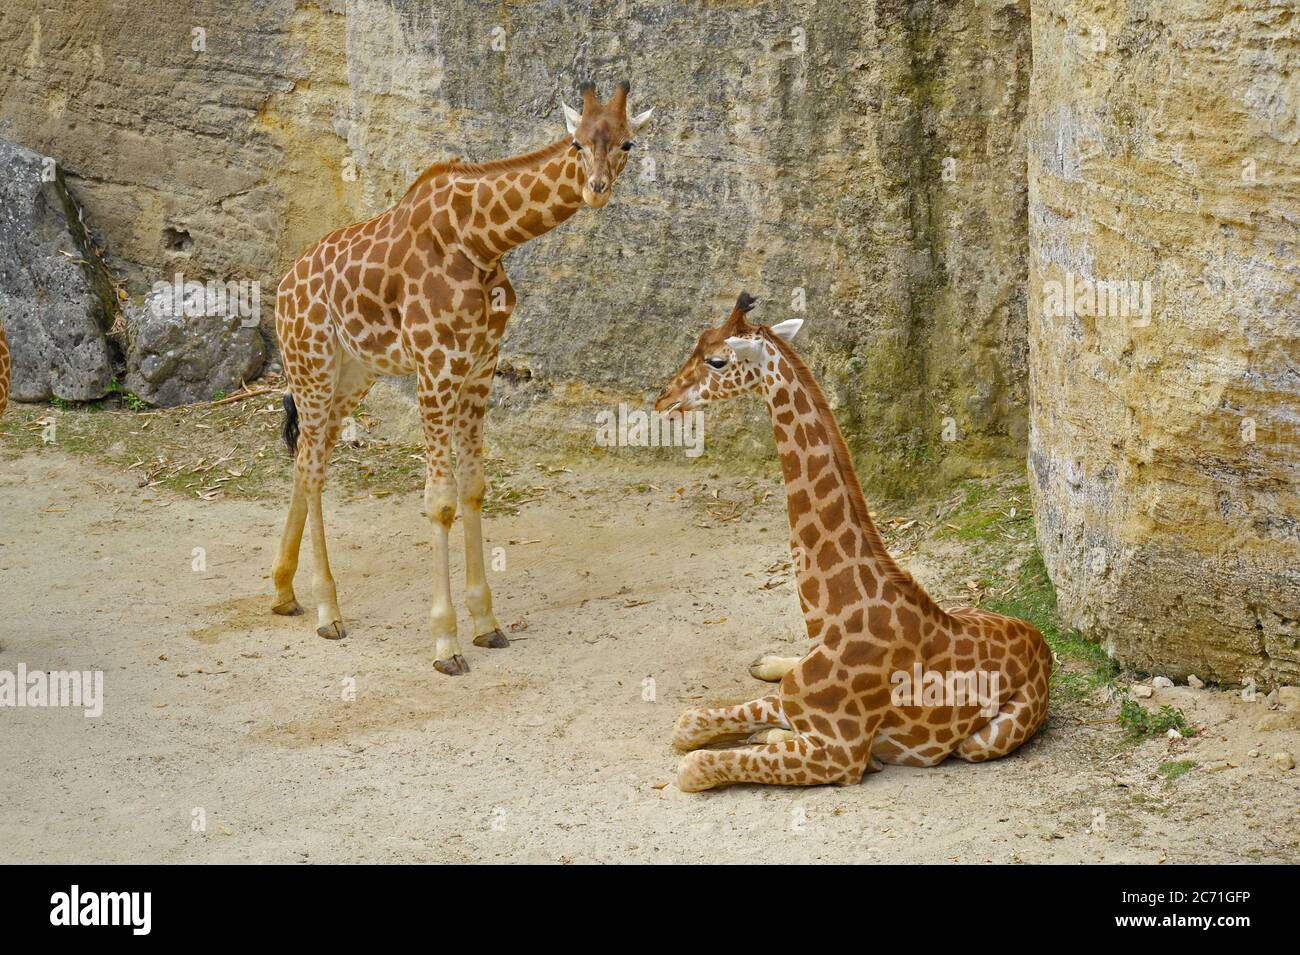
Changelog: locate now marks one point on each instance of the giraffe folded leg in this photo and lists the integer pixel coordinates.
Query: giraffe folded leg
(701, 725)
(1017, 720)
(801, 761)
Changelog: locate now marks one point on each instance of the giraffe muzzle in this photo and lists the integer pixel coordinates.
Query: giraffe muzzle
(597, 192)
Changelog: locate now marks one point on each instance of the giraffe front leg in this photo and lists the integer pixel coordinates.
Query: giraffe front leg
(469, 466)
(701, 725)
(802, 761)
(440, 506)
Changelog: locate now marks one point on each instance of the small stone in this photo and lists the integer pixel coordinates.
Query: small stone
(1284, 761)
(1142, 691)
(1253, 754)
(1195, 682)
(1162, 683)
(1174, 734)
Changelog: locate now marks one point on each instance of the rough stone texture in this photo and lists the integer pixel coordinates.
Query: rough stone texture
(181, 353)
(1165, 457)
(56, 300)
(798, 151)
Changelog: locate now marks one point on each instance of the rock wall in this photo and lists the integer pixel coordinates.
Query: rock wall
(57, 302)
(862, 160)
(1164, 444)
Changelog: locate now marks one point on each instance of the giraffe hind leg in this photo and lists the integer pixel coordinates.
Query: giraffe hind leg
(1016, 721)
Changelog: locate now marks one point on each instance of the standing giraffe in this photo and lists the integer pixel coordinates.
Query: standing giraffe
(420, 288)
(838, 710)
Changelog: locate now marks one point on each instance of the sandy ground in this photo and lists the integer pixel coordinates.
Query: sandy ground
(552, 750)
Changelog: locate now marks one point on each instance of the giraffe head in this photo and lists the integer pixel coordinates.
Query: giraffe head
(602, 138)
(727, 361)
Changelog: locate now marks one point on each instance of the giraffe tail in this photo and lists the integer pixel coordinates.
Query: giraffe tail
(290, 431)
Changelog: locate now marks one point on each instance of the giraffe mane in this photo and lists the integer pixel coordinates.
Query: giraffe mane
(509, 164)
(843, 462)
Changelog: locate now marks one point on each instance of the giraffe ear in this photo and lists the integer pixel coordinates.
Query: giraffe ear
(571, 117)
(640, 120)
(746, 349)
(788, 329)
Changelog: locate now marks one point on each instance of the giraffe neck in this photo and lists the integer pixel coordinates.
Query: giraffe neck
(841, 562)
(489, 208)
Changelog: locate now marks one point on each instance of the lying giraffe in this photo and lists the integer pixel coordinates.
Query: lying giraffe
(838, 711)
(420, 288)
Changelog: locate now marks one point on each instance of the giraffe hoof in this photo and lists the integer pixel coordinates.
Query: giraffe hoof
(768, 737)
(290, 608)
(456, 666)
(333, 631)
(495, 640)
(772, 669)
(692, 776)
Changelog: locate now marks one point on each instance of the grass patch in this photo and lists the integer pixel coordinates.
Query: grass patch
(1173, 770)
(1085, 667)
(989, 514)
(1141, 722)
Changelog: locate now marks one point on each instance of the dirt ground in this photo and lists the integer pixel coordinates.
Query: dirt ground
(228, 734)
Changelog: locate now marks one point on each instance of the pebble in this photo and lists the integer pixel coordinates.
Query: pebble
(1141, 691)
(1162, 682)
(1253, 754)
(1284, 761)
(1195, 682)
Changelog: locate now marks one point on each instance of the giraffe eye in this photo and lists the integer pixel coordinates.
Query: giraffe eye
(628, 145)
(577, 145)
(717, 361)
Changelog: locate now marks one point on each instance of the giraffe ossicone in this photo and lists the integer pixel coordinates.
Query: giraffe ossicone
(420, 289)
(890, 676)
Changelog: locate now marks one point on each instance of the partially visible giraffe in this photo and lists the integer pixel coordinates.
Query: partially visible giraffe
(420, 288)
(837, 712)
(4, 370)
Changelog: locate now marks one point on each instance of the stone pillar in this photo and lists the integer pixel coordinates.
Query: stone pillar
(1164, 327)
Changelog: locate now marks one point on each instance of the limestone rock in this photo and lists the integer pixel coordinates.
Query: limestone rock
(1284, 761)
(56, 299)
(187, 344)
(1164, 179)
